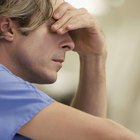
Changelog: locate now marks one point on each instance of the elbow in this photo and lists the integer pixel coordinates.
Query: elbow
(110, 130)
(119, 132)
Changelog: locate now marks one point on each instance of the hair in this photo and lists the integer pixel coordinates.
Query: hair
(28, 14)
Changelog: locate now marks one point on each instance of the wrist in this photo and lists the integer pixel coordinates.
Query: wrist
(94, 57)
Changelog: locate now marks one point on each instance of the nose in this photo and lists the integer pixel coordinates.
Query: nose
(67, 42)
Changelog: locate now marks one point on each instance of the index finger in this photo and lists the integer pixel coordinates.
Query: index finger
(61, 9)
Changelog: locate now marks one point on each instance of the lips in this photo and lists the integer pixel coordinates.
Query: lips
(58, 63)
(60, 60)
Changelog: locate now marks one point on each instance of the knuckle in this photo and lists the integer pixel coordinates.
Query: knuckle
(67, 4)
(83, 10)
(69, 12)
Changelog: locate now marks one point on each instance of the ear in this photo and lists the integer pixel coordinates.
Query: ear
(6, 29)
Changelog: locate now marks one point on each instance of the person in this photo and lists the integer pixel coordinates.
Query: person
(34, 38)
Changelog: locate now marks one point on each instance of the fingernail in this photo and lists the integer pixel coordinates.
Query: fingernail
(57, 15)
(61, 31)
(69, 26)
(55, 26)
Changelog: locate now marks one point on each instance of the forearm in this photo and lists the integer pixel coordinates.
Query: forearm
(91, 93)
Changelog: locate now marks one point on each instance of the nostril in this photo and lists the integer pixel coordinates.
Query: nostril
(69, 46)
(66, 47)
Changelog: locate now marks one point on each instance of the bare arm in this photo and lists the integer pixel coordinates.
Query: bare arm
(91, 94)
(61, 122)
(90, 45)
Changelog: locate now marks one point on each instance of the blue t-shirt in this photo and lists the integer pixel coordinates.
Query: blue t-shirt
(20, 101)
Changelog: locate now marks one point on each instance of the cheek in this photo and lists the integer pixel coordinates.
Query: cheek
(37, 49)
(25, 58)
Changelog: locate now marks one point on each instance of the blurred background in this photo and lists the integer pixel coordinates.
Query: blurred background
(120, 21)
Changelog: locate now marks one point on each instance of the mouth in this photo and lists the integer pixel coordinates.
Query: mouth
(58, 63)
(60, 60)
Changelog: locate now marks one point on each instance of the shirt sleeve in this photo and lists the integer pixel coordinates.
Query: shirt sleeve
(20, 101)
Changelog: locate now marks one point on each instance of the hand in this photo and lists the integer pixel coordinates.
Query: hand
(82, 27)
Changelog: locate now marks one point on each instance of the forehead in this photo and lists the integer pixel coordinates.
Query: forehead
(56, 3)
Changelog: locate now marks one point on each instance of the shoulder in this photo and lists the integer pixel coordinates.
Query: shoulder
(13, 87)
(20, 101)
(7, 77)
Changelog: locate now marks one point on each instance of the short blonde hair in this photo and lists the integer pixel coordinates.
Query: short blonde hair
(29, 14)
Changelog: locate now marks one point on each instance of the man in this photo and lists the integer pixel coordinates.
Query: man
(34, 37)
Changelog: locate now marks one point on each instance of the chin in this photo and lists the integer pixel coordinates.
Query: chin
(44, 79)
(42, 76)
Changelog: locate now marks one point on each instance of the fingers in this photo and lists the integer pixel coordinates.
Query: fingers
(69, 18)
(61, 10)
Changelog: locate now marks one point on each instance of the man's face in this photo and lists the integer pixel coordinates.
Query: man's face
(39, 55)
